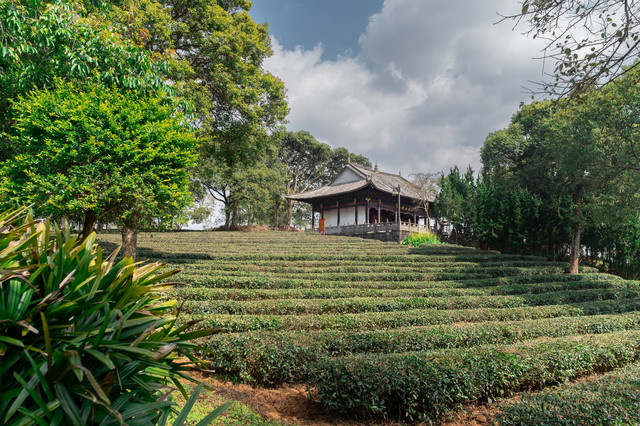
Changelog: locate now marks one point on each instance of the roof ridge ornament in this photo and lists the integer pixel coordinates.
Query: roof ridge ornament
(375, 168)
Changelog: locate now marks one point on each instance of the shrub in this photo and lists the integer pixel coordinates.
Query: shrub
(611, 399)
(417, 240)
(427, 385)
(84, 340)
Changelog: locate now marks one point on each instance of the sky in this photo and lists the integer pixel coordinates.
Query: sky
(414, 85)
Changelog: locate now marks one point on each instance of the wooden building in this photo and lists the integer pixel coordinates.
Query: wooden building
(359, 195)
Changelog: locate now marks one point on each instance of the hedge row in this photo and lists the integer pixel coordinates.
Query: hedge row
(438, 274)
(207, 294)
(425, 386)
(413, 318)
(275, 358)
(611, 399)
(262, 282)
(279, 268)
(392, 304)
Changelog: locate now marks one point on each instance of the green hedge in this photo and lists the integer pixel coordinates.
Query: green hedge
(611, 399)
(275, 358)
(392, 304)
(190, 292)
(425, 386)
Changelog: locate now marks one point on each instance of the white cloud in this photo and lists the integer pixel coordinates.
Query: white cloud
(431, 81)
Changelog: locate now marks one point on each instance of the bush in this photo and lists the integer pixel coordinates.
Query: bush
(84, 340)
(417, 240)
(427, 385)
(611, 399)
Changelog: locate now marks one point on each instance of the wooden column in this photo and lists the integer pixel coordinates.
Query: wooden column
(355, 202)
(338, 206)
(321, 211)
(313, 218)
(378, 210)
(366, 212)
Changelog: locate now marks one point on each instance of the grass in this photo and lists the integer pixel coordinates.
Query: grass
(237, 414)
(357, 318)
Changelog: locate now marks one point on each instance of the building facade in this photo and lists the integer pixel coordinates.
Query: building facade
(359, 195)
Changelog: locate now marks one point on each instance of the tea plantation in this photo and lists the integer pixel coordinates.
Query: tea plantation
(383, 330)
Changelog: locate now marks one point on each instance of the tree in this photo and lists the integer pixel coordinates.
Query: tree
(589, 41)
(251, 191)
(42, 42)
(309, 164)
(428, 186)
(217, 52)
(456, 201)
(97, 153)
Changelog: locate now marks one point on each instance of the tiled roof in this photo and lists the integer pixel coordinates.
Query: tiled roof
(385, 182)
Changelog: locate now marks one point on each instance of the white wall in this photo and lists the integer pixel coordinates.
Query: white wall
(331, 217)
(347, 216)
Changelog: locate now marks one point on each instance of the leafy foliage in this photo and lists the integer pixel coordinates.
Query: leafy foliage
(589, 41)
(390, 330)
(42, 42)
(610, 399)
(417, 240)
(83, 339)
(95, 153)
(425, 386)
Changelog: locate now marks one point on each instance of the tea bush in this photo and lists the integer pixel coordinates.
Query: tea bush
(392, 330)
(426, 386)
(610, 399)
(276, 358)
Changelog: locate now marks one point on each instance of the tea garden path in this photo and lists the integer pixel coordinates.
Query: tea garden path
(383, 331)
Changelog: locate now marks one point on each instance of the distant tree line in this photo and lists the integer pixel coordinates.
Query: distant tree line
(561, 180)
(253, 195)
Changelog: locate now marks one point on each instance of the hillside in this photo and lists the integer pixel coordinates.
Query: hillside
(380, 330)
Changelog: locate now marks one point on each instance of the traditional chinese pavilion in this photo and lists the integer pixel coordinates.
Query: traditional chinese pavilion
(359, 195)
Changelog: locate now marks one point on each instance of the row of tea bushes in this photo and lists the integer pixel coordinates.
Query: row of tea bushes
(610, 399)
(426, 386)
(386, 322)
(412, 318)
(275, 358)
(206, 294)
(392, 304)
(315, 268)
(271, 282)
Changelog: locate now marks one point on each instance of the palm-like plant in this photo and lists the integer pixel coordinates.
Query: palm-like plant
(85, 340)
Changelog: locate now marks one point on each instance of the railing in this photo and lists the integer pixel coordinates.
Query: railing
(367, 228)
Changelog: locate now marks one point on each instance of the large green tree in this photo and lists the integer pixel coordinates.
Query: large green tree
(41, 42)
(249, 194)
(94, 153)
(217, 51)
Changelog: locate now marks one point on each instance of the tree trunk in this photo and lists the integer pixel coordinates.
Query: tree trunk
(288, 215)
(129, 242)
(234, 216)
(575, 249)
(89, 222)
(227, 217)
(574, 257)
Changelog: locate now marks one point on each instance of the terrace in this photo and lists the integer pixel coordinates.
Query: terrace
(389, 231)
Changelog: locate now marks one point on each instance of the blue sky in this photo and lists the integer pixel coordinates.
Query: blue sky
(337, 24)
(415, 85)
